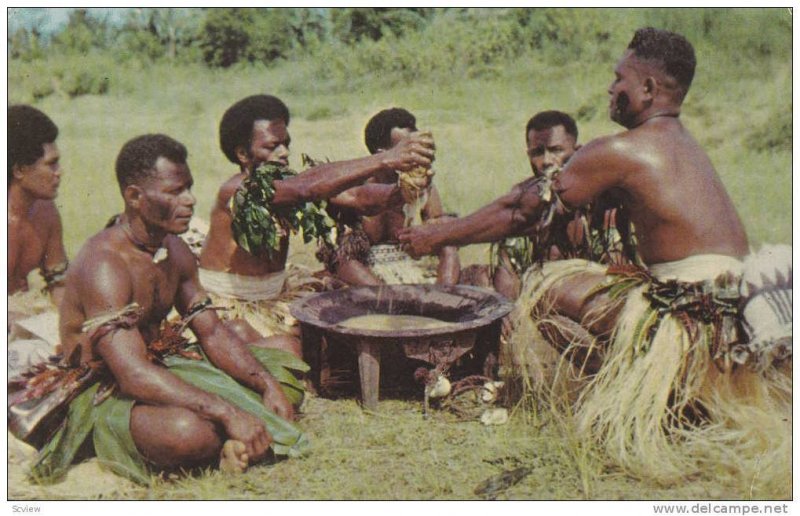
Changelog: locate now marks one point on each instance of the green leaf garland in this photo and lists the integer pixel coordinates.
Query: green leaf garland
(258, 226)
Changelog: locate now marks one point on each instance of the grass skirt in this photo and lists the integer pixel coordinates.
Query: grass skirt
(271, 316)
(661, 411)
(394, 266)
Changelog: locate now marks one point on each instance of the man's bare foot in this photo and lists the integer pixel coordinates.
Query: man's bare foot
(232, 458)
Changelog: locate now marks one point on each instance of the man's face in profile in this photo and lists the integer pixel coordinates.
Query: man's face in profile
(624, 103)
(42, 177)
(167, 201)
(548, 148)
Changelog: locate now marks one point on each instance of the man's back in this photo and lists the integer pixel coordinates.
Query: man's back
(677, 202)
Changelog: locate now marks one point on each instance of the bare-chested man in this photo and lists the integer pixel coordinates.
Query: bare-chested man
(379, 259)
(678, 204)
(34, 225)
(119, 290)
(551, 138)
(651, 343)
(34, 237)
(255, 131)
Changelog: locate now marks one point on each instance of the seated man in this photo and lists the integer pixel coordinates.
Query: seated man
(658, 345)
(367, 252)
(551, 138)
(150, 402)
(254, 134)
(34, 234)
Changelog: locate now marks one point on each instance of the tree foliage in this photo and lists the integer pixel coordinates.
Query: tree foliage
(162, 32)
(233, 35)
(83, 33)
(354, 24)
(346, 45)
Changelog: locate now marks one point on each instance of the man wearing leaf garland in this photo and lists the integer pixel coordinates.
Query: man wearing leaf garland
(243, 261)
(138, 394)
(668, 383)
(366, 251)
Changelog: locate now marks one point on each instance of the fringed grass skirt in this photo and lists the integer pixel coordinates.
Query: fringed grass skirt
(660, 408)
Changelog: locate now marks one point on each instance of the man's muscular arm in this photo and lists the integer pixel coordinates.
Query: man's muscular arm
(369, 199)
(506, 216)
(449, 269)
(222, 346)
(598, 166)
(329, 179)
(55, 255)
(13, 252)
(106, 287)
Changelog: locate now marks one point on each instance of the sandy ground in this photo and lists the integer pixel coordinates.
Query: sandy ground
(85, 481)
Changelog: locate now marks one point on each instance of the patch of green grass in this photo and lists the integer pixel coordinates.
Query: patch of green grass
(394, 454)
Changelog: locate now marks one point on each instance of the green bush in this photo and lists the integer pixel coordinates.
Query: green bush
(233, 35)
(85, 82)
(774, 134)
(747, 32)
(67, 75)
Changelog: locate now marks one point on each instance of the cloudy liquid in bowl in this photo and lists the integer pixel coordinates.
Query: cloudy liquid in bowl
(390, 322)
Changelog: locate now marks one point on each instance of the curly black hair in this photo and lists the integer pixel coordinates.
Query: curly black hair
(28, 130)
(236, 126)
(547, 119)
(137, 159)
(673, 53)
(378, 133)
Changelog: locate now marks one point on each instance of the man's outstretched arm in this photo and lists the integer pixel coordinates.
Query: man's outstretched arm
(506, 216)
(596, 167)
(369, 199)
(329, 179)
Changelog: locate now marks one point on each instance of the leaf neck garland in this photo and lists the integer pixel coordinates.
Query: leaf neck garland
(258, 226)
(604, 239)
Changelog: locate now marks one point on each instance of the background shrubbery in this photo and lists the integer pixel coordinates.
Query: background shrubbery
(387, 44)
(474, 76)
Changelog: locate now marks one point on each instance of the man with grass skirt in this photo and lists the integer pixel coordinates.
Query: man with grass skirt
(366, 251)
(685, 357)
(243, 260)
(34, 236)
(136, 392)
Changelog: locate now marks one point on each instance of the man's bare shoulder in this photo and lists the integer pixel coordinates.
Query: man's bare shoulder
(229, 188)
(614, 153)
(181, 254)
(101, 247)
(613, 143)
(100, 265)
(45, 213)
